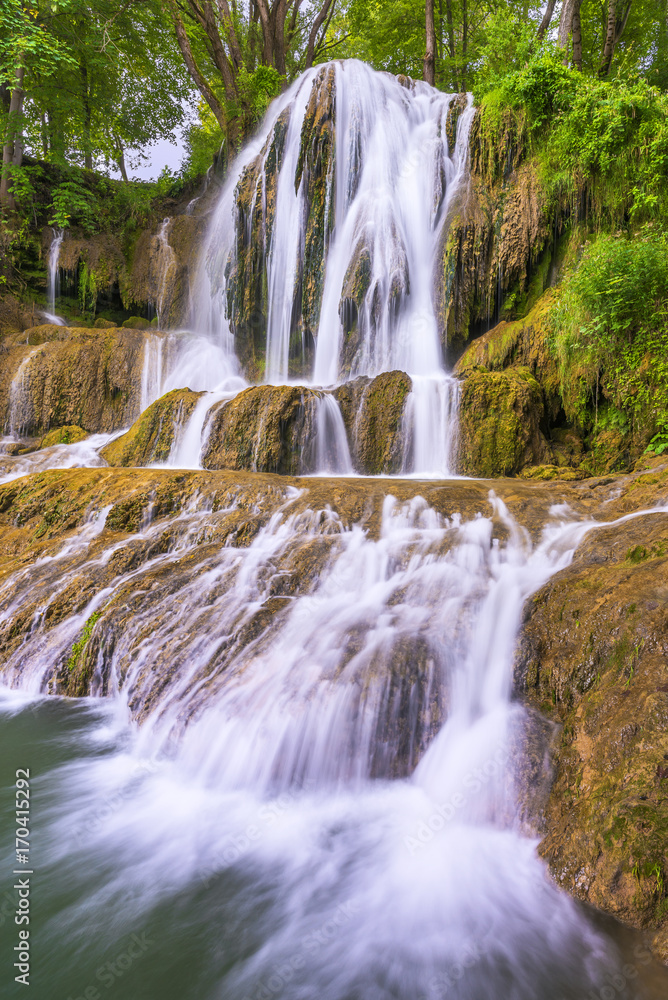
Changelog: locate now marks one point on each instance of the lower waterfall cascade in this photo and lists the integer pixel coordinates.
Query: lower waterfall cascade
(330, 804)
(277, 740)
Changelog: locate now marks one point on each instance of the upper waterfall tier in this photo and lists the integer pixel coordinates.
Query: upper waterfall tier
(320, 261)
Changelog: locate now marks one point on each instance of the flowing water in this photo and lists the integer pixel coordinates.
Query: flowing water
(53, 274)
(322, 798)
(298, 772)
(389, 189)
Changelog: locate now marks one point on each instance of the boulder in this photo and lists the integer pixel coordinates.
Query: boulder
(373, 412)
(500, 423)
(151, 437)
(264, 429)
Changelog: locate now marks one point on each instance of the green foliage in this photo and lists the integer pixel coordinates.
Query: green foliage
(79, 646)
(204, 139)
(659, 443)
(74, 204)
(610, 334)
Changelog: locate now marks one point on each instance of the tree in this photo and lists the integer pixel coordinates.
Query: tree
(224, 47)
(429, 72)
(84, 82)
(618, 15)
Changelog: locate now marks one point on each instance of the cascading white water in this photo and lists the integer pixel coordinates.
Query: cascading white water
(53, 277)
(52, 273)
(165, 264)
(391, 182)
(332, 451)
(270, 824)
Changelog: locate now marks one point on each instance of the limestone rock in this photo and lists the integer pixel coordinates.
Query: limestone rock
(500, 423)
(593, 654)
(151, 437)
(88, 378)
(264, 429)
(373, 412)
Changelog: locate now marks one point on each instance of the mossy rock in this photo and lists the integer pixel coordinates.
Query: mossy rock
(73, 377)
(63, 435)
(264, 429)
(137, 323)
(500, 423)
(105, 324)
(151, 437)
(373, 412)
(592, 655)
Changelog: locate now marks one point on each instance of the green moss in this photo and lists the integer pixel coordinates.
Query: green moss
(63, 435)
(81, 643)
(151, 437)
(499, 423)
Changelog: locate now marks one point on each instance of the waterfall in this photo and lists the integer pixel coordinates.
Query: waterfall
(53, 277)
(323, 789)
(332, 451)
(152, 371)
(323, 249)
(165, 265)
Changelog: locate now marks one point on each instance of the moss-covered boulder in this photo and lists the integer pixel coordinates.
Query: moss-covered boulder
(63, 435)
(151, 437)
(85, 378)
(593, 655)
(137, 323)
(500, 423)
(264, 429)
(373, 412)
(103, 324)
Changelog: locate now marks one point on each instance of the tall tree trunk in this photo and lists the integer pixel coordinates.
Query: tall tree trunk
(547, 19)
(577, 35)
(88, 151)
(429, 65)
(120, 159)
(279, 13)
(565, 27)
(313, 35)
(12, 151)
(267, 33)
(451, 40)
(465, 42)
(618, 15)
(194, 70)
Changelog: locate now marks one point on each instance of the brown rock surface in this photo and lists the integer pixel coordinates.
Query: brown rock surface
(593, 654)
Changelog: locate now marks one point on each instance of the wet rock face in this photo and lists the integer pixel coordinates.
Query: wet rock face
(593, 654)
(500, 423)
(264, 429)
(246, 270)
(275, 428)
(496, 236)
(373, 412)
(88, 378)
(159, 274)
(152, 436)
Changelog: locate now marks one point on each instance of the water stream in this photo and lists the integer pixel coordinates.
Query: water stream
(322, 798)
